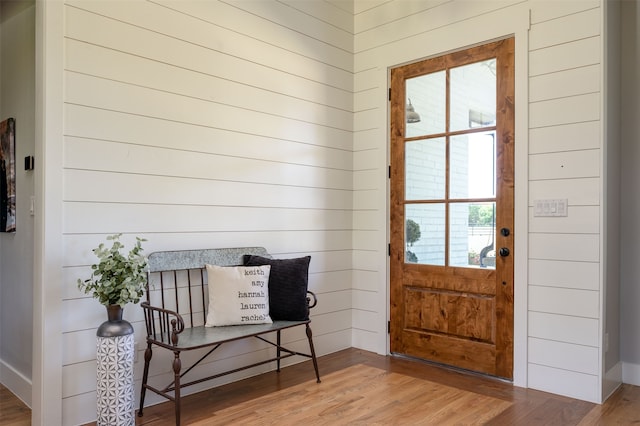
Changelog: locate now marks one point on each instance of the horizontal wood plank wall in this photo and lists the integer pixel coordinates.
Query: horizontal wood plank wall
(388, 34)
(565, 162)
(209, 124)
(213, 124)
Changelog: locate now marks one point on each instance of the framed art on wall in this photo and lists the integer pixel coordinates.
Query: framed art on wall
(8, 175)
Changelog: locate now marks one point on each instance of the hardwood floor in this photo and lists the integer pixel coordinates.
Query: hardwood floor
(362, 388)
(13, 412)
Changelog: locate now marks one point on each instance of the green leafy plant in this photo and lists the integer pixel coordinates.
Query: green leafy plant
(481, 215)
(117, 279)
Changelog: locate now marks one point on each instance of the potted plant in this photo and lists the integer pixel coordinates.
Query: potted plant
(117, 279)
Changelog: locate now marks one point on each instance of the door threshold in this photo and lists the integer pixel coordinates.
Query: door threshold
(451, 367)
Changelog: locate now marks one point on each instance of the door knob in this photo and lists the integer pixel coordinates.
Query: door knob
(505, 232)
(504, 251)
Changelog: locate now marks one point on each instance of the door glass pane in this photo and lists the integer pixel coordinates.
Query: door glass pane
(425, 104)
(472, 235)
(473, 95)
(425, 233)
(473, 166)
(425, 169)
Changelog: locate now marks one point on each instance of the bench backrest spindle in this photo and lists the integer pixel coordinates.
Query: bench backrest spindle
(190, 296)
(162, 304)
(203, 293)
(175, 294)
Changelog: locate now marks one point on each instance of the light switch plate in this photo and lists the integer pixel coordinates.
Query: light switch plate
(557, 207)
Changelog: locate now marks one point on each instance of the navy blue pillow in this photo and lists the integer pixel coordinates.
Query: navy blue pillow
(288, 282)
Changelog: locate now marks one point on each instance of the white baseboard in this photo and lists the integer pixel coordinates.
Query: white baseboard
(16, 382)
(631, 373)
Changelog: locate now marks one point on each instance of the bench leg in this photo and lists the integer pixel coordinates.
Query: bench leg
(278, 351)
(177, 366)
(145, 376)
(313, 353)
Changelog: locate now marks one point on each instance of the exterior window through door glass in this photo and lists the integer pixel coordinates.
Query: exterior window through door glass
(426, 95)
(472, 231)
(473, 166)
(450, 166)
(425, 169)
(473, 95)
(425, 228)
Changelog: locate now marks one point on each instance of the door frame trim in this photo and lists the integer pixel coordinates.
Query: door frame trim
(521, 194)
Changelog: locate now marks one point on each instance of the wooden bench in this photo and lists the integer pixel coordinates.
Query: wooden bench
(176, 310)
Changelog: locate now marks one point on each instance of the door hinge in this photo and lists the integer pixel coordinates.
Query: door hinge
(388, 327)
(389, 171)
(389, 250)
(389, 93)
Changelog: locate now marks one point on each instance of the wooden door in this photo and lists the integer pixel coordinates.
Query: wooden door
(452, 188)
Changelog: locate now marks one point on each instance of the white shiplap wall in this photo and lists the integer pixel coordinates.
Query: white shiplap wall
(565, 149)
(205, 124)
(558, 155)
(216, 124)
(389, 34)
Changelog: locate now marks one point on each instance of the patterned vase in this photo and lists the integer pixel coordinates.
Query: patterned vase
(115, 355)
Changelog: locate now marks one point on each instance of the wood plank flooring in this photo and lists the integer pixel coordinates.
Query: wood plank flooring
(362, 388)
(13, 412)
(365, 395)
